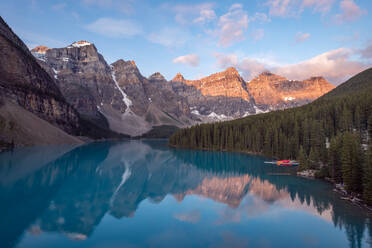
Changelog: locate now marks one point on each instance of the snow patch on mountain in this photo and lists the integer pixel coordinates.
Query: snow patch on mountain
(80, 44)
(260, 111)
(218, 117)
(126, 99)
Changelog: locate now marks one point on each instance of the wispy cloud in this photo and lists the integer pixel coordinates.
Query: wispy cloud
(125, 6)
(366, 53)
(260, 17)
(169, 37)
(189, 59)
(32, 39)
(350, 11)
(322, 6)
(258, 34)
(206, 15)
(290, 8)
(59, 6)
(115, 28)
(191, 13)
(232, 25)
(301, 37)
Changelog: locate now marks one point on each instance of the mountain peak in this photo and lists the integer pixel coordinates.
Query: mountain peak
(156, 76)
(123, 63)
(81, 43)
(232, 70)
(316, 78)
(266, 73)
(178, 78)
(267, 77)
(40, 49)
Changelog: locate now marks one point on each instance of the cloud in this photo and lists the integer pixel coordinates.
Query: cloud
(280, 7)
(232, 25)
(34, 39)
(290, 8)
(169, 37)
(366, 53)
(114, 28)
(300, 37)
(192, 13)
(258, 34)
(247, 66)
(206, 15)
(260, 17)
(59, 6)
(190, 59)
(350, 11)
(125, 6)
(103, 3)
(322, 6)
(335, 65)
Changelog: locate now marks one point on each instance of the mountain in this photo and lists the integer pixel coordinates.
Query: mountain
(227, 96)
(25, 84)
(276, 92)
(84, 78)
(220, 96)
(118, 97)
(114, 96)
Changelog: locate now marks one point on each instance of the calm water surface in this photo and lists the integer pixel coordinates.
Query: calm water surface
(143, 194)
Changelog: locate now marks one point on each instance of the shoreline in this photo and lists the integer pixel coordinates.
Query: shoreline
(337, 188)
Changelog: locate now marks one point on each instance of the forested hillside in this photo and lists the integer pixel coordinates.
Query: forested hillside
(332, 134)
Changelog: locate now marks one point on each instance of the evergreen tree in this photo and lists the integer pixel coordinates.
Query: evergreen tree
(334, 159)
(314, 158)
(302, 159)
(351, 163)
(367, 179)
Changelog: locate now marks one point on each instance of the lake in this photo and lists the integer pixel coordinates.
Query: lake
(144, 194)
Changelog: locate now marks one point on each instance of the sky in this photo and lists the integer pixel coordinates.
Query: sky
(294, 38)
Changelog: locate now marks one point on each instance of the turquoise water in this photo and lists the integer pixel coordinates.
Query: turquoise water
(143, 194)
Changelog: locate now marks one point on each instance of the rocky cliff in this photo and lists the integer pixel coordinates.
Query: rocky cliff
(23, 82)
(84, 78)
(276, 92)
(220, 96)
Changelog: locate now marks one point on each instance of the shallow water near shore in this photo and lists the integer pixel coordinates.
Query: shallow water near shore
(144, 194)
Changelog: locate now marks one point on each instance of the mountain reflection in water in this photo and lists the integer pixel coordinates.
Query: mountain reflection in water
(93, 192)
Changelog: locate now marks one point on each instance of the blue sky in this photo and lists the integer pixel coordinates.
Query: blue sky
(294, 38)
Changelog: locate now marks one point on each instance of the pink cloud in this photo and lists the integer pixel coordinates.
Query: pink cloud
(258, 34)
(206, 15)
(350, 11)
(322, 6)
(191, 13)
(289, 8)
(300, 37)
(190, 59)
(366, 53)
(232, 25)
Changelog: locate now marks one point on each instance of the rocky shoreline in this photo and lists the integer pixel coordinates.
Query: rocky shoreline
(338, 188)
